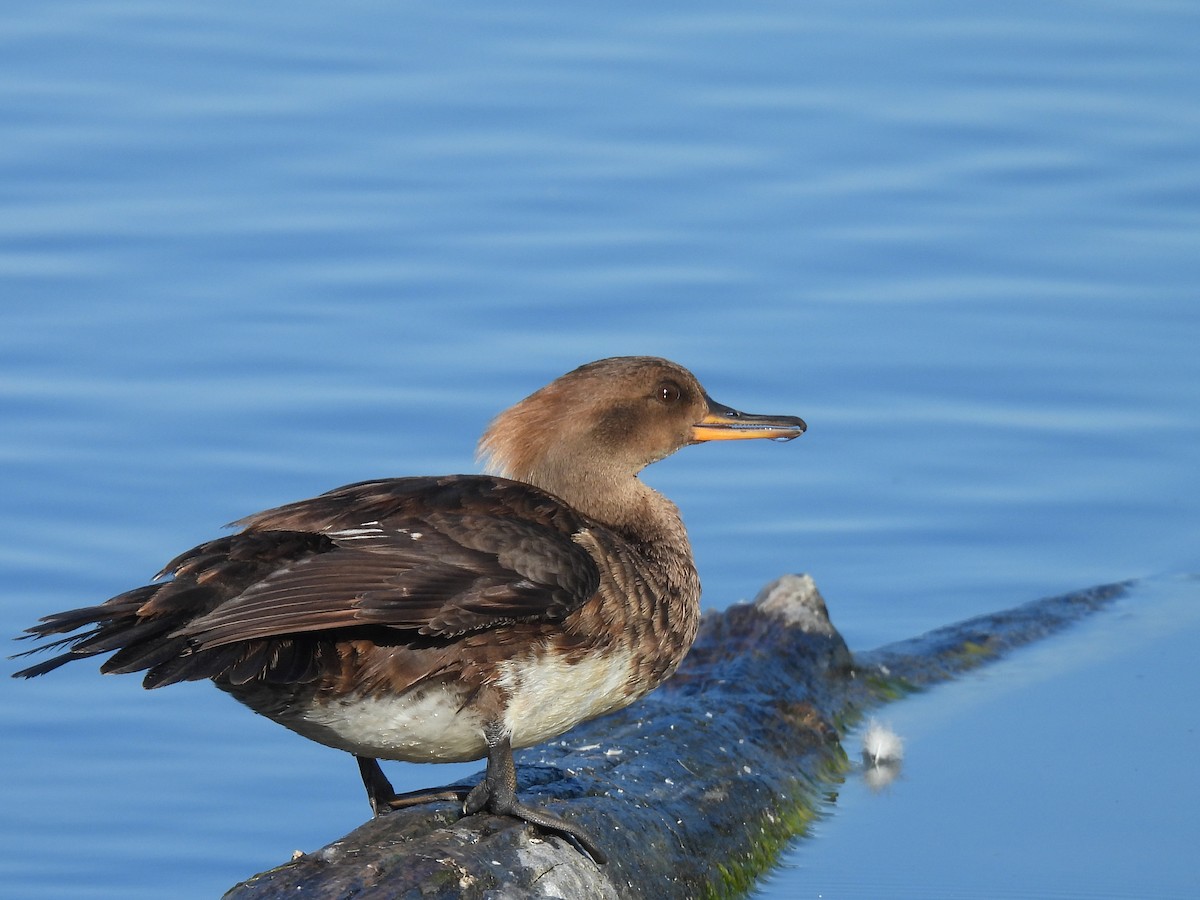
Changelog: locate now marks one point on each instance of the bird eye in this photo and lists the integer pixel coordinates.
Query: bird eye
(668, 392)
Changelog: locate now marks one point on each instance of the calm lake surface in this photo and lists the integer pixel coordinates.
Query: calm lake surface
(249, 252)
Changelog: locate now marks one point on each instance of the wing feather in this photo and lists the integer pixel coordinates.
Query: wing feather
(463, 564)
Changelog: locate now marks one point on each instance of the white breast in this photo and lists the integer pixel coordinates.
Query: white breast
(548, 695)
(426, 725)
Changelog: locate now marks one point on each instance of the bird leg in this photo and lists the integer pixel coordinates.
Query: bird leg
(384, 798)
(497, 794)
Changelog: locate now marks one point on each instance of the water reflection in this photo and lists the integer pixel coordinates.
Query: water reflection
(882, 755)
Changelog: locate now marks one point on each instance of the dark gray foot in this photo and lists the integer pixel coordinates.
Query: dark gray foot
(497, 794)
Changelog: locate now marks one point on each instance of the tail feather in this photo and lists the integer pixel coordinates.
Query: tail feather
(109, 621)
(140, 657)
(192, 666)
(143, 628)
(45, 666)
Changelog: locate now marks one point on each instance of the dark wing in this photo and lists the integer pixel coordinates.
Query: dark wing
(434, 556)
(433, 566)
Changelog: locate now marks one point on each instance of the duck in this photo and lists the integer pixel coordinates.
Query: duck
(447, 618)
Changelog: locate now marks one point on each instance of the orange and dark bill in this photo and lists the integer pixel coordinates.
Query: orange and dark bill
(725, 424)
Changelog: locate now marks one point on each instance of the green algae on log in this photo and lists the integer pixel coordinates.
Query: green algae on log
(692, 791)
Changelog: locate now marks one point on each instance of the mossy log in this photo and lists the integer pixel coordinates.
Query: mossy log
(692, 791)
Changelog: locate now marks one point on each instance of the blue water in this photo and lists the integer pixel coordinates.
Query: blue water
(252, 251)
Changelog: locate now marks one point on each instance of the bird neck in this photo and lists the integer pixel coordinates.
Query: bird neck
(620, 501)
(645, 519)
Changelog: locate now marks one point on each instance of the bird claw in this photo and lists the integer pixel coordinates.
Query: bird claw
(499, 799)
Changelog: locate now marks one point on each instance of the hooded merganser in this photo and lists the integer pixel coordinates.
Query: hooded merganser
(438, 619)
